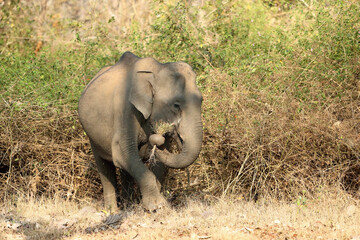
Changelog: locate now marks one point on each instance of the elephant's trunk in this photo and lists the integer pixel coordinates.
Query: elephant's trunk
(191, 133)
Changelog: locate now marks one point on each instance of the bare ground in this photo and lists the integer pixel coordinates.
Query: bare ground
(329, 216)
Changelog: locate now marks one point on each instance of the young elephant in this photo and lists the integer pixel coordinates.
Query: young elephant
(119, 110)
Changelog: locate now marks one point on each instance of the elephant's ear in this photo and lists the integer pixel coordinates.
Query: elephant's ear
(141, 94)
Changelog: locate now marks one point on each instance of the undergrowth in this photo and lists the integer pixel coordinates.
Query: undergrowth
(280, 81)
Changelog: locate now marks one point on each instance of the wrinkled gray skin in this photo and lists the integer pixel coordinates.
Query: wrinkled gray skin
(118, 110)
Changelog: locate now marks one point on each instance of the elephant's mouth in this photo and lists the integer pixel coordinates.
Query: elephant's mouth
(182, 141)
(174, 141)
(165, 135)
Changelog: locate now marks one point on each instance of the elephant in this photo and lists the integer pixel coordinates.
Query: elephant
(120, 110)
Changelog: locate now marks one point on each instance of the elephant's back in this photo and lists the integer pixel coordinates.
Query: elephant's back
(97, 97)
(96, 106)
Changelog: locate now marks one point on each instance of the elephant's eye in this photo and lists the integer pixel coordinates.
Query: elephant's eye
(177, 106)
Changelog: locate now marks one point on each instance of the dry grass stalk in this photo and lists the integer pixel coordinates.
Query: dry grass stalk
(162, 127)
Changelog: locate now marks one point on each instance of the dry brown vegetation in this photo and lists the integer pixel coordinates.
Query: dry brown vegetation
(58, 158)
(281, 113)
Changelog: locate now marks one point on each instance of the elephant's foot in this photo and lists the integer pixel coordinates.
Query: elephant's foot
(110, 203)
(153, 202)
(111, 207)
(150, 189)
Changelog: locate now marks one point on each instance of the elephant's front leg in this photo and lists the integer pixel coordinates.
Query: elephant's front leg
(127, 157)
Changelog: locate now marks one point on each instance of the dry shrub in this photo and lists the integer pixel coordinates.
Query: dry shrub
(46, 154)
(254, 145)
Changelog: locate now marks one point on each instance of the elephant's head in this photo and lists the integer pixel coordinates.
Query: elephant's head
(168, 92)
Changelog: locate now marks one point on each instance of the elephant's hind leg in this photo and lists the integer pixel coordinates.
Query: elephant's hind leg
(107, 173)
(160, 171)
(127, 187)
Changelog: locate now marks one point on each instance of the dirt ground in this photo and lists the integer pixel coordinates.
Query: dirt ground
(327, 217)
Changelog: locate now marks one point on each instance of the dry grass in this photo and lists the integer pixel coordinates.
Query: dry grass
(330, 216)
(163, 127)
(46, 218)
